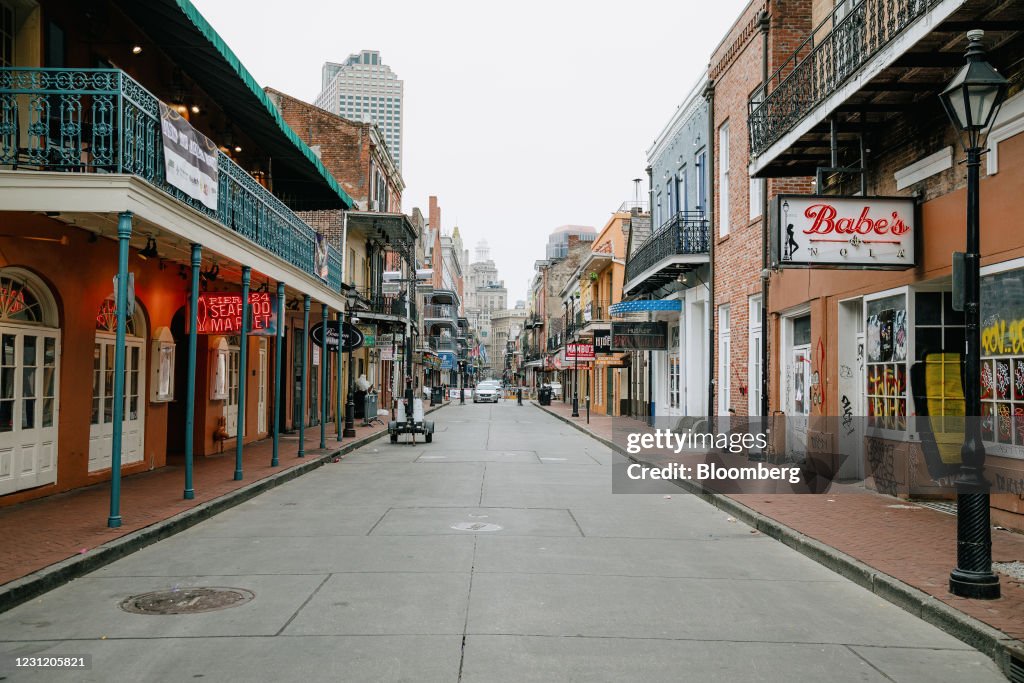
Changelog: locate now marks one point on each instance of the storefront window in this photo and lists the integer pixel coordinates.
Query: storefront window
(886, 365)
(1002, 369)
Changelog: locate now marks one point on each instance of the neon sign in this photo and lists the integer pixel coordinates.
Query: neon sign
(221, 313)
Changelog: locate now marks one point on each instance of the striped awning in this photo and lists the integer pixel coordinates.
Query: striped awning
(644, 306)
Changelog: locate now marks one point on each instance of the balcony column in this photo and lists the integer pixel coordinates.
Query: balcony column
(302, 381)
(338, 416)
(323, 382)
(190, 391)
(278, 363)
(124, 233)
(243, 357)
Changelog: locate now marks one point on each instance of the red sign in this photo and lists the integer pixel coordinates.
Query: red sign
(580, 352)
(221, 313)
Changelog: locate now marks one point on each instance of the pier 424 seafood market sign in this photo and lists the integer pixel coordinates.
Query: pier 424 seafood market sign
(866, 233)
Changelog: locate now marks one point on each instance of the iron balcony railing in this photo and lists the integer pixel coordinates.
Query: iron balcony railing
(386, 304)
(685, 233)
(833, 52)
(103, 121)
(598, 312)
(439, 312)
(442, 343)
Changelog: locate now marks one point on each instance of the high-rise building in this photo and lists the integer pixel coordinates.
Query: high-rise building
(363, 88)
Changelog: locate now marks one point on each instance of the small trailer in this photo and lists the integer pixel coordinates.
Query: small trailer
(411, 424)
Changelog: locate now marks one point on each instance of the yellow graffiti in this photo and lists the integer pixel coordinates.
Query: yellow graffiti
(1003, 337)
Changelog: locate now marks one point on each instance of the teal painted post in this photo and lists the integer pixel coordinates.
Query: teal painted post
(323, 383)
(243, 356)
(302, 382)
(337, 406)
(278, 351)
(124, 233)
(190, 392)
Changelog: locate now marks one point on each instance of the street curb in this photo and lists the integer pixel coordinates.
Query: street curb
(44, 580)
(991, 642)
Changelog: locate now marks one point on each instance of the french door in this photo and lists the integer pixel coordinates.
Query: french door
(101, 427)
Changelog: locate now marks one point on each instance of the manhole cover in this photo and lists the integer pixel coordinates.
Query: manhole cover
(475, 526)
(186, 600)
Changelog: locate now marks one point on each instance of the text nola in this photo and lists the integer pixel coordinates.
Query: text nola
(663, 439)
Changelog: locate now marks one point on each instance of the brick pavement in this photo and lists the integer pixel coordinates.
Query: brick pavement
(915, 545)
(42, 532)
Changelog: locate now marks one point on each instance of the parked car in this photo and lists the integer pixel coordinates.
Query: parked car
(556, 389)
(487, 392)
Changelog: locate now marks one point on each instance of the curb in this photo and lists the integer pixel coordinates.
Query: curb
(995, 644)
(44, 580)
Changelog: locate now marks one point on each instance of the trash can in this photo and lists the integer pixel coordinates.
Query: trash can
(544, 396)
(436, 396)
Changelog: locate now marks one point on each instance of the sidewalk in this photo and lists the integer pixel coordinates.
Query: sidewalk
(877, 534)
(53, 539)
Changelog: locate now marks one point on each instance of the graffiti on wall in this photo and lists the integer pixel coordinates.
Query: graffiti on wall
(881, 456)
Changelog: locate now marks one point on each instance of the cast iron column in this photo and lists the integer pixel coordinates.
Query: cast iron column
(323, 382)
(278, 355)
(302, 376)
(124, 233)
(243, 356)
(190, 393)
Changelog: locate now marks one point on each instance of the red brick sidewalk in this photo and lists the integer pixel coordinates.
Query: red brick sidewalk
(42, 532)
(915, 545)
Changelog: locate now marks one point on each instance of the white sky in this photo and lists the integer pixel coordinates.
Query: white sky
(519, 117)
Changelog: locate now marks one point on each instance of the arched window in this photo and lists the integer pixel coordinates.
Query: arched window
(106, 319)
(24, 298)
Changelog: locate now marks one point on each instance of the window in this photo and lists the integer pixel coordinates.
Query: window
(673, 368)
(1002, 369)
(886, 339)
(723, 180)
(756, 196)
(702, 185)
(682, 193)
(754, 360)
(724, 360)
(6, 35)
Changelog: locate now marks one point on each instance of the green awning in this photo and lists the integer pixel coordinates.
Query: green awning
(178, 28)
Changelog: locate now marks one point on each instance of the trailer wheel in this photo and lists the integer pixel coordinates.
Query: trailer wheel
(430, 437)
(394, 438)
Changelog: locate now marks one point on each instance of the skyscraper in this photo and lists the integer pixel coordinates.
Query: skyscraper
(365, 89)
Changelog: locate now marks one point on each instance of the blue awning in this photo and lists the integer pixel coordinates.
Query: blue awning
(645, 305)
(447, 360)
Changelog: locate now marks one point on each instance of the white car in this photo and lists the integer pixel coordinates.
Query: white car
(487, 392)
(556, 389)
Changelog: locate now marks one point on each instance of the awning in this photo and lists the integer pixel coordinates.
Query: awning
(178, 28)
(644, 306)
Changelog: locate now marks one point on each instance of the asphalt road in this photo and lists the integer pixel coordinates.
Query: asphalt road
(496, 553)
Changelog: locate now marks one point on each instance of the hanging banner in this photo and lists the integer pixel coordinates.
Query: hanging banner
(320, 263)
(369, 335)
(640, 336)
(387, 353)
(190, 158)
(866, 233)
(221, 313)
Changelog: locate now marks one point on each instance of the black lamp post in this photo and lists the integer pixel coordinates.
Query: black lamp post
(350, 403)
(576, 364)
(462, 382)
(972, 100)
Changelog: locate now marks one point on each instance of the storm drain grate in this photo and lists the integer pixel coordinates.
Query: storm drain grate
(1016, 670)
(187, 600)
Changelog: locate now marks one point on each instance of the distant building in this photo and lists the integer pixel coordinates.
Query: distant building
(558, 242)
(363, 88)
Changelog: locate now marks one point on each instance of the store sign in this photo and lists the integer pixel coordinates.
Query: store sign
(221, 313)
(369, 335)
(602, 341)
(190, 158)
(351, 338)
(579, 352)
(640, 336)
(844, 232)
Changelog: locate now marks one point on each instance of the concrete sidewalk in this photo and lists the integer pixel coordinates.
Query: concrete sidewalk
(54, 539)
(901, 551)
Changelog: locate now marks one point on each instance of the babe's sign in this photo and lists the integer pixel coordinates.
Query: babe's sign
(844, 232)
(221, 313)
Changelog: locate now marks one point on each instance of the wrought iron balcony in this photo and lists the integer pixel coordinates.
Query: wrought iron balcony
(442, 343)
(103, 121)
(834, 51)
(684, 235)
(439, 312)
(373, 301)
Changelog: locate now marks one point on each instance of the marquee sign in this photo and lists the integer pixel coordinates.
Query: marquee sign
(221, 313)
(640, 336)
(867, 233)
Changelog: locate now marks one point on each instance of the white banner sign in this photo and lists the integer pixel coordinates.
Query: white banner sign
(190, 158)
(851, 232)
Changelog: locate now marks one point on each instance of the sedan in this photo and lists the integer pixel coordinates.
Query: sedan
(487, 392)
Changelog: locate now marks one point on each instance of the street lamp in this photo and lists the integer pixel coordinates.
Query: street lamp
(971, 100)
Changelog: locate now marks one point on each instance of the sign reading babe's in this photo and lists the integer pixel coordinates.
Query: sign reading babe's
(221, 313)
(844, 232)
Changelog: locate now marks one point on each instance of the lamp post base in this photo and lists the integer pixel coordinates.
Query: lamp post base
(974, 585)
(575, 407)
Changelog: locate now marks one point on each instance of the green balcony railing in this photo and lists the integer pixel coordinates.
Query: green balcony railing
(103, 121)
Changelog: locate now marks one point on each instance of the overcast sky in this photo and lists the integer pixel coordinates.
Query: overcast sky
(520, 117)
